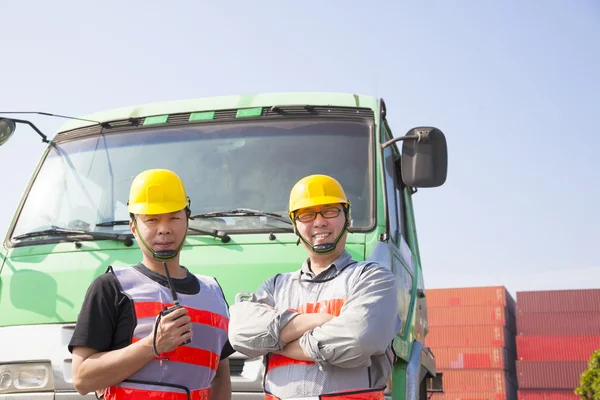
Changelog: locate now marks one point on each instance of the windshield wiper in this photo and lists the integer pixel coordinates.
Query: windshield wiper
(114, 223)
(126, 239)
(240, 212)
(214, 233)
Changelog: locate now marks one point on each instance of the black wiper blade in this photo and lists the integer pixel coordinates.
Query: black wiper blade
(126, 239)
(114, 223)
(214, 233)
(238, 212)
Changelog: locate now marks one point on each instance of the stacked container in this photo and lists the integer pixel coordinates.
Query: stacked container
(557, 331)
(472, 335)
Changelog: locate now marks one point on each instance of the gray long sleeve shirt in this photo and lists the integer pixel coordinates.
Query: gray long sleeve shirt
(359, 337)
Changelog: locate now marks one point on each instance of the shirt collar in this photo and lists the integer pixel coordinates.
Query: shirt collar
(340, 262)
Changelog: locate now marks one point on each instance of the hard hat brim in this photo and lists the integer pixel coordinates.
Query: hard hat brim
(318, 201)
(158, 208)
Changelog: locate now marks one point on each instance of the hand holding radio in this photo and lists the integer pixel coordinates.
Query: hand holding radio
(172, 325)
(174, 329)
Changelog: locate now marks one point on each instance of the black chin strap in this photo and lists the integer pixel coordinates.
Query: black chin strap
(161, 255)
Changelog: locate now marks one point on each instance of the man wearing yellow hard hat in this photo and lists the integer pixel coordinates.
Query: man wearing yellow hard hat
(327, 328)
(136, 338)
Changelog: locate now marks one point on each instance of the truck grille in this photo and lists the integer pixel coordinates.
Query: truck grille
(236, 366)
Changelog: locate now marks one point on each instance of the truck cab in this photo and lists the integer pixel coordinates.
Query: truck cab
(238, 157)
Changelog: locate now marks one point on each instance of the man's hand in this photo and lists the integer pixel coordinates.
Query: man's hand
(174, 329)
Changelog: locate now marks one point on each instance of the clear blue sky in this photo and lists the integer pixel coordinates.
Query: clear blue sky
(514, 85)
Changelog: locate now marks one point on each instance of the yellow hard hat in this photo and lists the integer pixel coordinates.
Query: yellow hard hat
(316, 190)
(157, 191)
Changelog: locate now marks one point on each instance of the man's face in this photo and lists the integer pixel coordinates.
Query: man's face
(161, 231)
(322, 230)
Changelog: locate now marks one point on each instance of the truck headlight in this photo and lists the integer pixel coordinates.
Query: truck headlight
(26, 377)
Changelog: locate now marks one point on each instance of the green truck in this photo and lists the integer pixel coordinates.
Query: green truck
(238, 157)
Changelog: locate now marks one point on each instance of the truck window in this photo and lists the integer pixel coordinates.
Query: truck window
(390, 190)
(253, 165)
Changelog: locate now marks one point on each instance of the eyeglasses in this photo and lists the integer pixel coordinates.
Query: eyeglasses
(327, 213)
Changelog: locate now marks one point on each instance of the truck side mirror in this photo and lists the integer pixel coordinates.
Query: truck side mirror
(424, 161)
(7, 128)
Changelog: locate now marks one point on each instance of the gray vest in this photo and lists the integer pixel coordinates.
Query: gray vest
(288, 378)
(192, 366)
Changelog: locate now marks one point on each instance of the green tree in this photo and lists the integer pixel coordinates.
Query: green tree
(589, 384)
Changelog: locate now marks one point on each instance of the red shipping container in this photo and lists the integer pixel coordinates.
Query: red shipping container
(474, 296)
(549, 374)
(473, 396)
(558, 324)
(458, 336)
(473, 358)
(547, 395)
(556, 348)
(482, 380)
(559, 300)
(470, 315)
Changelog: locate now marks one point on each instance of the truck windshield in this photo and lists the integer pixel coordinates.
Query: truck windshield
(84, 183)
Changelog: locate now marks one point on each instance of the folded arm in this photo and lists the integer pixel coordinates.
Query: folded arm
(254, 324)
(365, 327)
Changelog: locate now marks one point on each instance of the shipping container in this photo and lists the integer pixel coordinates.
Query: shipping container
(480, 336)
(471, 315)
(558, 323)
(556, 348)
(473, 296)
(473, 396)
(468, 380)
(559, 300)
(474, 358)
(547, 395)
(548, 375)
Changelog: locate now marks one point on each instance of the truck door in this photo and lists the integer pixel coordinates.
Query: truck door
(400, 253)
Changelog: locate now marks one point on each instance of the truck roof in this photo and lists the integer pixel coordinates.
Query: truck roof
(225, 103)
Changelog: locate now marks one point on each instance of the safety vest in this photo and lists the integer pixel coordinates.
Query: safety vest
(287, 378)
(189, 369)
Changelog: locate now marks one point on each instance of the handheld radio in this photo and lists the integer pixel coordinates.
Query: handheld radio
(176, 305)
(167, 311)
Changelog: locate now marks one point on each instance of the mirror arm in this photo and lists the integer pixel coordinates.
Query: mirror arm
(22, 121)
(421, 136)
(397, 139)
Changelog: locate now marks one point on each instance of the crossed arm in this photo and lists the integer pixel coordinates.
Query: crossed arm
(367, 323)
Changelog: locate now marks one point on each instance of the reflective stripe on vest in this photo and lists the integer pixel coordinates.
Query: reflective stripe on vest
(192, 366)
(138, 394)
(367, 394)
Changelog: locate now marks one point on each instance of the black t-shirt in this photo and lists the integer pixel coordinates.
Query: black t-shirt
(106, 320)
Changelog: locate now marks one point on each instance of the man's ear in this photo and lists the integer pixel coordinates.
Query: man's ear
(132, 227)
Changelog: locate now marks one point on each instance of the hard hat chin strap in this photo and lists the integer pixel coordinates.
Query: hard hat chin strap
(323, 248)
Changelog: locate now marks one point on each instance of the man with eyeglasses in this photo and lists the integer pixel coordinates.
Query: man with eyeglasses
(327, 328)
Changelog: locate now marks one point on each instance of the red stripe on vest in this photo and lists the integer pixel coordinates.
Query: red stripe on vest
(378, 395)
(368, 395)
(191, 355)
(278, 360)
(203, 317)
(333, 307)
(118, 393)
